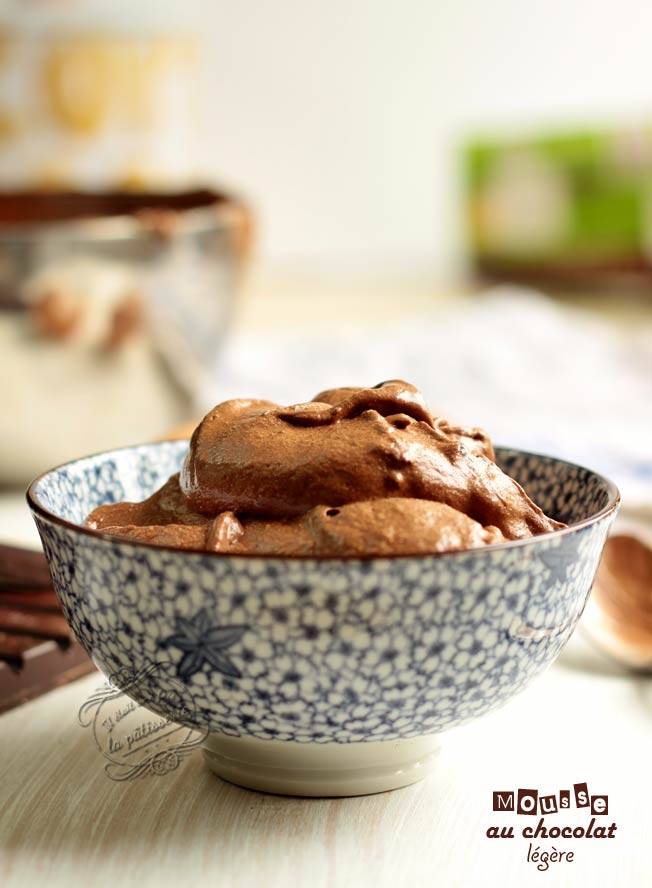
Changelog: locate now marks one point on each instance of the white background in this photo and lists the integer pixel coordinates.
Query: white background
(341, 117)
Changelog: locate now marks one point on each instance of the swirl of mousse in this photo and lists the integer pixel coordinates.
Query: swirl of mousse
(373, 528)
(349, 445)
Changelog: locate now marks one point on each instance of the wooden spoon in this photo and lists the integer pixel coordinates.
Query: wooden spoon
(619, 614)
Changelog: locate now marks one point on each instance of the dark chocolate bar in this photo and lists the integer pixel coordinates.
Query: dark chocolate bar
(23, 567)
(37, 649)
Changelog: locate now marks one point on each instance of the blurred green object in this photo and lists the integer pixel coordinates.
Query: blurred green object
(567, 208)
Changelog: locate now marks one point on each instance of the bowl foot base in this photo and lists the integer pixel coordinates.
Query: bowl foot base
(320, 769)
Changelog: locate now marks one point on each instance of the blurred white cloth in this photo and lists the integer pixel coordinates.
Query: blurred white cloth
(535, 374)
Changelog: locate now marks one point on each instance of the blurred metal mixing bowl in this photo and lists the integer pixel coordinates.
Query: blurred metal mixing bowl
(182, 255)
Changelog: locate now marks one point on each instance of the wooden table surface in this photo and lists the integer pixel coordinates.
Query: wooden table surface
(63, 821)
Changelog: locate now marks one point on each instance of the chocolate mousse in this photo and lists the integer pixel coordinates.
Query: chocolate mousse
(355, 472)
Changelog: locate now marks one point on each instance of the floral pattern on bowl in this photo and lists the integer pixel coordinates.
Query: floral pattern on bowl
(321, 651)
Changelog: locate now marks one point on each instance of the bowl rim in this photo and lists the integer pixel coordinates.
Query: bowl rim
(612, 506)
(213, 210)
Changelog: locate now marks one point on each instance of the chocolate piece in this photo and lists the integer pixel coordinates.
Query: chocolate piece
(14, 647)
(37, 649)
(33, 622)
(23, 567)
(42, 668)
(27, 598)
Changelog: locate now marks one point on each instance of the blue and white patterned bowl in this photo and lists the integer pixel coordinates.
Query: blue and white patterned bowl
(306, 672)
